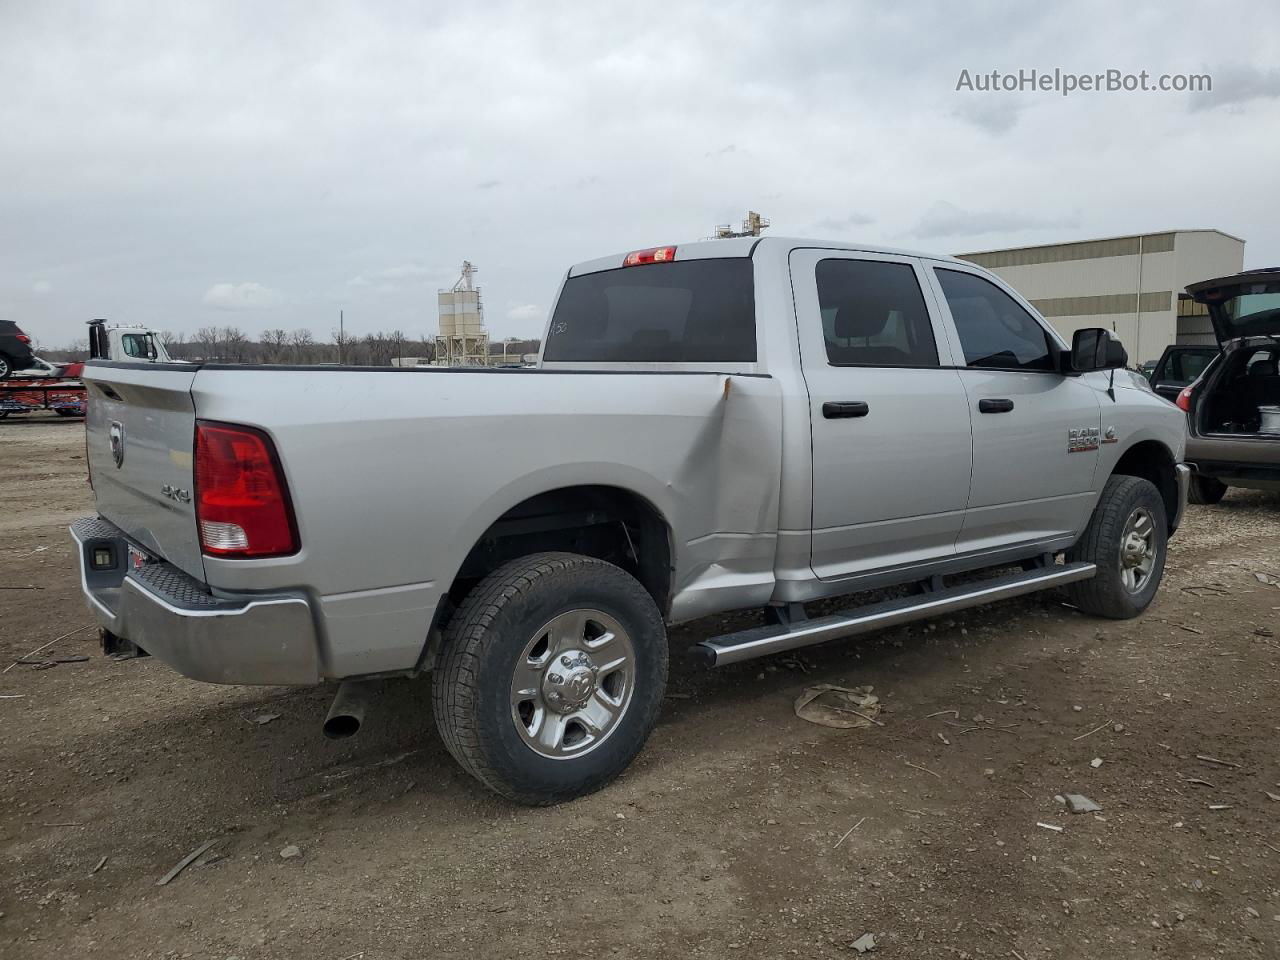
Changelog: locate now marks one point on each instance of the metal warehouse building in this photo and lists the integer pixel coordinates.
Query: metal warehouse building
(1134, 286)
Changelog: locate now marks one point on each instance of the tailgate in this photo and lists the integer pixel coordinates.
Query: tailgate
(141, 432)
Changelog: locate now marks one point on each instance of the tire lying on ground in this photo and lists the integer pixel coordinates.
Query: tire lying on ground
(550, 677)
(1126, 539)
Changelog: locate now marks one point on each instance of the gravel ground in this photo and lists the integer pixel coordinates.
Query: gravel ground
(740, 829)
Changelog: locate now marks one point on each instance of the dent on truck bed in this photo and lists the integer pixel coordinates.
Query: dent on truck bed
(731, 473)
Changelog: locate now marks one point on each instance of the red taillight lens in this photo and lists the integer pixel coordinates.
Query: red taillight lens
(652, 255)
(23, 338)
(242, 504)
(1184, 399)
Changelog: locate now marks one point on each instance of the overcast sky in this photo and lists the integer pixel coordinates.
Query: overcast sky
(267, 164)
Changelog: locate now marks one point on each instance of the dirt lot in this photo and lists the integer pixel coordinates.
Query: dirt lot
(732, 831)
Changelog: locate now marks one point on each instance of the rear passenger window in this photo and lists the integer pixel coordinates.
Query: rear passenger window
(873, 314)
(994, 330)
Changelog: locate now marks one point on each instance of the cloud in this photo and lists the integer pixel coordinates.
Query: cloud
(945, 219)
(241, 296)
(41, 287)
(1237, 85)
(526, 314)
(405, 273)
(994, 114)
(488, 184)
(835, 225)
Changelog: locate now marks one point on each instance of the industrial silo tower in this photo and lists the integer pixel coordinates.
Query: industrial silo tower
(462, 341)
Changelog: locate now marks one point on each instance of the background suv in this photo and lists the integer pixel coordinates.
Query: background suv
(15, 349)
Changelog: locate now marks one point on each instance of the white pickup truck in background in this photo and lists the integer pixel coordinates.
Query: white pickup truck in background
(712, 426)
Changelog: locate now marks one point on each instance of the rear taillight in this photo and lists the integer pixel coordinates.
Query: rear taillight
(1184, 399)
(23, 338)
(242, 504)
(652, 255)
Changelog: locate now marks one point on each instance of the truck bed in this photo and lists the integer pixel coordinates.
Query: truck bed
(395, 473)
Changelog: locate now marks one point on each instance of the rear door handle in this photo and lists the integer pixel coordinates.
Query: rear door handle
(995, 406)
(840, 409)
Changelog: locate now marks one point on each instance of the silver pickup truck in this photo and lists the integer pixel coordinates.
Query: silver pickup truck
(713, 426)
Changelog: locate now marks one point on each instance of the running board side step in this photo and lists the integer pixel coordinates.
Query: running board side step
(761, 641)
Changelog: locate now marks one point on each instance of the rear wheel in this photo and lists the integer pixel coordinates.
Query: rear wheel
(6, 367)
(1126, 539)
(1206, 489)
(551, 676)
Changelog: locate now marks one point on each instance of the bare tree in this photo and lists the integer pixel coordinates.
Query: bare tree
(303, 344)
(274, 343)
(396, 343)
(207, 341)
(235, 343)
(344, 342)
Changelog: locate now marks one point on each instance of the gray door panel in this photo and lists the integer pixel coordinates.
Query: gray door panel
(1030, 482)
(890, 477)
(1027, 484)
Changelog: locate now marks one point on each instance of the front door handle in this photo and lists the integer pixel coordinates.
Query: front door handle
(840, 409)
(995, 406)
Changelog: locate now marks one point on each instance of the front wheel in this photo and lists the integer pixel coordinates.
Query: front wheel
(1126, 539)
(551, 676)
(1206, 490)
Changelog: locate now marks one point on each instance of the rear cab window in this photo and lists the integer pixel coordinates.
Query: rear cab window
(691, 311)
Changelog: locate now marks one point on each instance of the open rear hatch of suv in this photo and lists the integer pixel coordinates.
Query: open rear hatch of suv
(1241, 393)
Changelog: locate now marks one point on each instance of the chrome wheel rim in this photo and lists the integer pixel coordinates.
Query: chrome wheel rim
(1137, 550)
(572, 684)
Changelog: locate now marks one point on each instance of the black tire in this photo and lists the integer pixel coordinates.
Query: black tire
(6, 367)
(1106, 594)
(472, 697)
(1206, 490)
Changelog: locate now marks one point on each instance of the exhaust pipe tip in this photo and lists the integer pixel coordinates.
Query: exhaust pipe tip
(341, 726)
(346, 715)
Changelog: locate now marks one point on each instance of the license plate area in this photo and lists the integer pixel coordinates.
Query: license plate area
(139, 558)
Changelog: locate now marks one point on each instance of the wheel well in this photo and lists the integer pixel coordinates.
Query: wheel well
(1152, 461)
(608, 523)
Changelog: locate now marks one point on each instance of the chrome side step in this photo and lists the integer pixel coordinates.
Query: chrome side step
(761, 641)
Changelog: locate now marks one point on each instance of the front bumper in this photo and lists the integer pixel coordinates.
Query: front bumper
(254, 639)
(1183, 475)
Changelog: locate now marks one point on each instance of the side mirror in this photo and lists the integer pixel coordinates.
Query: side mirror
(1093, 349)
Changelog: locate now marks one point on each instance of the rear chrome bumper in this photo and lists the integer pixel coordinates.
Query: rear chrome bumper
(1183, 473)
(252, 639)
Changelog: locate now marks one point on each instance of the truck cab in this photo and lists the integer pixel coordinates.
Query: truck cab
(122, 341)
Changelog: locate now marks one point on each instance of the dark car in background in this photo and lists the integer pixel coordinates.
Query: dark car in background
(15, 349)
(1233, 408)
